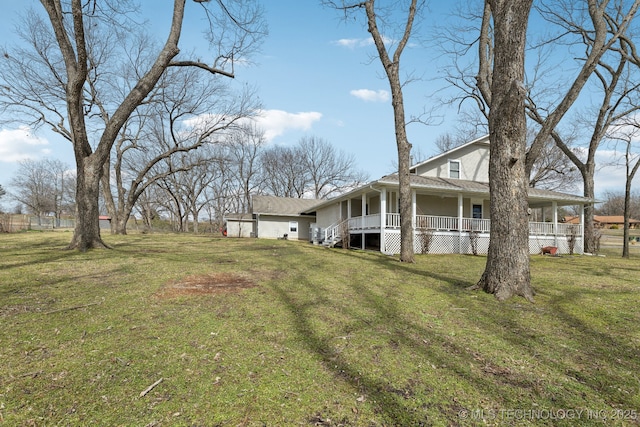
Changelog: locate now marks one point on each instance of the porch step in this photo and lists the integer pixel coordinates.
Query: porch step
(331, 243)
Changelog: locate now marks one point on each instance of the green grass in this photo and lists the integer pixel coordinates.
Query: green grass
(326, 337)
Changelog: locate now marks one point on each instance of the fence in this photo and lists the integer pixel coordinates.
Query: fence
(10, 223)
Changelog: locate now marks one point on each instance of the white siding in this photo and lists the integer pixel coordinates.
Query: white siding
(474, 164)
(329, 215)
(240, 228)
(272, 227)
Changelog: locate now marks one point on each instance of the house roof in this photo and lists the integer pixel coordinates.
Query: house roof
(483, 140)
(238, 217)
(451, 186)
(613, 219)
(285, 206)
(602, 219)
(463, 186)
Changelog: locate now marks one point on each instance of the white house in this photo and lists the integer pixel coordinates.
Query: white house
(274, 217)
(450, 210)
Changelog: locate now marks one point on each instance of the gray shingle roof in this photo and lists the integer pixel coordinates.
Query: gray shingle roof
(436, 183)
(282, 205)
(460, 185)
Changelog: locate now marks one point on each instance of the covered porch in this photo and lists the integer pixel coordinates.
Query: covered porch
(461, 225)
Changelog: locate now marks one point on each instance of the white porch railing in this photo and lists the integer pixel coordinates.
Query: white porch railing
(364, 222)
(448, 223)
(547, 228)
(475, 224)
(334, 232)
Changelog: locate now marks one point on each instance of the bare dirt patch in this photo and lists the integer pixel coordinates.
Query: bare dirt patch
(206, 284)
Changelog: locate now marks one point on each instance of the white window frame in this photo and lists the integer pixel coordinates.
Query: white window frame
(293, 226)
(473, 213)
(476, 202)
(459, 168)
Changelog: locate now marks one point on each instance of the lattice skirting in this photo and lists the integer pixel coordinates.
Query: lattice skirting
(446, 242)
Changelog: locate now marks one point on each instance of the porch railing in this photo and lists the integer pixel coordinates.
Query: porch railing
(364, 222)
(448, 223)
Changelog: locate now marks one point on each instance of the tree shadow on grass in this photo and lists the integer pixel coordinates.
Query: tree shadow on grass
(410, 396)
(403, 399)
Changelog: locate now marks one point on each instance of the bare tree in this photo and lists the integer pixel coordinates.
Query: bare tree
(283, 172)
(613, 204)
(243, 149)
(57, 81)
(195, 180)
(329, 172)
(632, 163)
(507, 271)
(311, 168)
(553, 170)
(602, 29)
(224, 194)
(147, 207)
(63, 182)
(186, 191)
(42, 187)
(448, 141)
(627, 132)
(390, 52)
(609, 52)
(178, 120)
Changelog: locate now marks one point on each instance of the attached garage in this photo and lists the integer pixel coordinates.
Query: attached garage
(240, 225)
(274, 218)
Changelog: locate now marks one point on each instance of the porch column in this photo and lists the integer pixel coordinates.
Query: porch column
(340, 212)
(383, 218)
(582, 226)
(413, 209)
(364, 212)
(349, 208)
(460, 215)
(554, 207)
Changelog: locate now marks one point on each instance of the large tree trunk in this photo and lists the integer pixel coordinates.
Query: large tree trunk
(507, 270)
(589, 191)
(406, 211)
(89, 164)
(87, 232)
(627, 208)
(392, 69)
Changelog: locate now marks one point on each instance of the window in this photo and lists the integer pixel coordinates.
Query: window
(293, 226)
(477, 212)
(454, 169)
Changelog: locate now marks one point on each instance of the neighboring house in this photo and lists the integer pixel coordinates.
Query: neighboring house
(450, 210)
(606, 221)
(273, 217)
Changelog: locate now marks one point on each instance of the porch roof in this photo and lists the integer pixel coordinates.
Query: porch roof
(435, 185)
(537, 196)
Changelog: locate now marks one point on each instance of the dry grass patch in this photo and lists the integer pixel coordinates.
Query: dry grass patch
(206, 284)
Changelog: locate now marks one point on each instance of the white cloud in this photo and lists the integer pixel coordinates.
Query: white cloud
(356, 43)
(611, 174)
(371, 95)
(277, 122)
(21, 144)
(353, 43)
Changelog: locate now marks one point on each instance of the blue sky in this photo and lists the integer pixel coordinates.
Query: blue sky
(315, 76)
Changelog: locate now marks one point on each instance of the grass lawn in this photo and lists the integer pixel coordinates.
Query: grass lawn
(281, 333)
